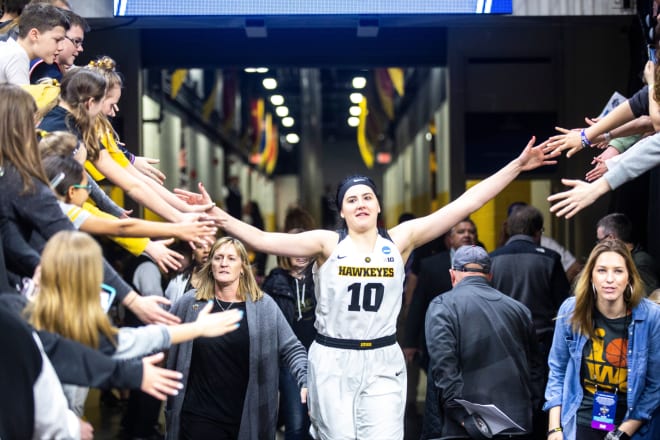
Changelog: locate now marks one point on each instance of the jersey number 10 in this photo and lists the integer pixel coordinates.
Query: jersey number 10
(372, 297)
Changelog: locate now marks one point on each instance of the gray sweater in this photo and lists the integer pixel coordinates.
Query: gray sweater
(271, 340)
(634, 162)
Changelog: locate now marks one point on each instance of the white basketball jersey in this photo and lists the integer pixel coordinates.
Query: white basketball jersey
(359, 295)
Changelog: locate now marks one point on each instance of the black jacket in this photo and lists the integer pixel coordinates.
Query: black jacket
(483, 349)
(282, 287)
(532, 275)
(433, 279)
(35, 216)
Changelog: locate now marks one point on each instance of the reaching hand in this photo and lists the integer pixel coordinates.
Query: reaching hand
(568, 140)
(198, 229)
(159, 382)
(148, 309)
(533, 157)
(600, 165)
(202, 198)
(144, 165)
(568, 203)
(163, 256)
(217, 324)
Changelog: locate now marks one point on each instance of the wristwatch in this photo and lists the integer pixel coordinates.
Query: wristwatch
(617, 435)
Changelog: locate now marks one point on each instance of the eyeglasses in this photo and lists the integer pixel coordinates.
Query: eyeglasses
(77, 42)
(87, 187)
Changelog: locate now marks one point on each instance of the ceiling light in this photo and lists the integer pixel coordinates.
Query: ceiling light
(282, 111)
(353, 121)
(355, 110)
(277, 100)
(269, 83)
(356, 98)
(288, 121)
(359, 82)
(292, 138)
(250, 70)
(262, 69)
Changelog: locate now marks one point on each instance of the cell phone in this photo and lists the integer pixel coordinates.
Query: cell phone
(108, 294)
(651, 53)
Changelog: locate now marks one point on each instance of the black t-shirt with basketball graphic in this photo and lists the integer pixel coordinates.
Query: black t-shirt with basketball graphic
(605, 365)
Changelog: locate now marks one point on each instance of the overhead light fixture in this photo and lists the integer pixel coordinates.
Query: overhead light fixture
(277, 100)
(282, 111)
(269, 83)
(288, 121)
(256, 70)
(356, 97)
(355, 110)
(353, 121)
(292, 138)
(359, 82)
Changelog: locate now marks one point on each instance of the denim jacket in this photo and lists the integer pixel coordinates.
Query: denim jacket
(643, 398)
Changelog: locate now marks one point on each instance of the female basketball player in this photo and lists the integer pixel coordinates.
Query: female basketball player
(356, 373)
(605, 354)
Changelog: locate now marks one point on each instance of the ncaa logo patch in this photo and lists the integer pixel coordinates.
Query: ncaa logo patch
(386, 250)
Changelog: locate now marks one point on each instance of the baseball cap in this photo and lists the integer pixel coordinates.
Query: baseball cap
(471, 255)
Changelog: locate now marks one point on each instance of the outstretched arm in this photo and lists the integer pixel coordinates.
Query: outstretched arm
(411, 234)
(134, 227)
(571, 140)
(582, 194)
(305, 244)
(208, 325)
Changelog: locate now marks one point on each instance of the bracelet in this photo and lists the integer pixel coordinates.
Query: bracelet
(583, 137)
(607, 136)
(553, 430)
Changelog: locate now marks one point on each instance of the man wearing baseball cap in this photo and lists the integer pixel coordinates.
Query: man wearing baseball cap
(482, 349)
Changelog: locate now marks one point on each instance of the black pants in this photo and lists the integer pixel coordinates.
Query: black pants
(589, 433)
(193, 427)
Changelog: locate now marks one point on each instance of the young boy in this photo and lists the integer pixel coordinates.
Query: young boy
(42, 29)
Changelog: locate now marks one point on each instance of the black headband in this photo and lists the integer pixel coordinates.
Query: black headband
(352, 181)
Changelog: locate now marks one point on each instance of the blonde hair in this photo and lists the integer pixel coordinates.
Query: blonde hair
(247, 285)
(68, 302)
(585, 297)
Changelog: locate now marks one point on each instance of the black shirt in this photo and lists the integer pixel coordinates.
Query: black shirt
(219, 372)
(605, 366)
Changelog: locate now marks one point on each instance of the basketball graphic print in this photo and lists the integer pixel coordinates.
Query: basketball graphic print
(616, 352)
